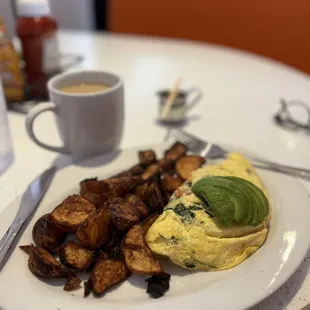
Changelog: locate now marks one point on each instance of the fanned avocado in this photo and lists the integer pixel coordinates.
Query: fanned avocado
(233, 199)
(264, 209)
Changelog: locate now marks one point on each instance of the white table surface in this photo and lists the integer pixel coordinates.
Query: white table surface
(241, 93)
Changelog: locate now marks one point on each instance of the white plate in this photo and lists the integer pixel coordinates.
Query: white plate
(237, 288)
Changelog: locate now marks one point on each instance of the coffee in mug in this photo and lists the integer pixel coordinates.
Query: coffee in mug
(90, 118)
(83, 88)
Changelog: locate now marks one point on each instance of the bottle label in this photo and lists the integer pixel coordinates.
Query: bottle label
(51, 57)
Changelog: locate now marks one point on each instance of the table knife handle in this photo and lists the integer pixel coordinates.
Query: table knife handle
(7, 240)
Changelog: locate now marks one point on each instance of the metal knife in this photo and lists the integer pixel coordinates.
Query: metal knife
(29, 203)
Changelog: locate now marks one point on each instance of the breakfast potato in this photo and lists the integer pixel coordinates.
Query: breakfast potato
(95, 231)
(75, 256)
(125, 173)
(151, 171)
(46, 235)
(106, 274)
(138, 256)
(148, 222)
(133, 171)
(187, 164)
(176, 151)
(123, 214)
(147, 157)
(170, 183)
(99, 191)
(166, 164)
(139, 205)
(136, 169)
(112, 247)
(42, 264)
(72, 212)
(151, 194)
(72, 284)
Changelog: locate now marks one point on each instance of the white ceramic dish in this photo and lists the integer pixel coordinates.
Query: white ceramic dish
(237, 288)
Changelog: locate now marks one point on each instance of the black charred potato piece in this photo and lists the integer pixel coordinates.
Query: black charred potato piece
(72, 284)
(71, 213)
(151, 171)
(148, 222)
(138, 257)
(106, 274)
(147, 157)
(176, 151)
(75, 256)
(170, 182)
(112, 247)
(166, 164)
(42, 264)
(158, 285)
(95, 231)
(46, 235)
(151, 194)
(187, 164)
(123, 214)
(139, 205)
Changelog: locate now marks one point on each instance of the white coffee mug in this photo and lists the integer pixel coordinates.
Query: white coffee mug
(89, 123)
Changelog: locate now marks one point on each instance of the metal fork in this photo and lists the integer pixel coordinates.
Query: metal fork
(214, 151)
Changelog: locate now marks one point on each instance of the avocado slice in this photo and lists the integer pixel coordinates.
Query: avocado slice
(262, 201)
(233, 199)
(226, 198)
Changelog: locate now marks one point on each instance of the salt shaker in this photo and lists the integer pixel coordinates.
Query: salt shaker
(6, 148)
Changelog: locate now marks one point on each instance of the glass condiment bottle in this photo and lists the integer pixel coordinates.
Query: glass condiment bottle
(37, 32)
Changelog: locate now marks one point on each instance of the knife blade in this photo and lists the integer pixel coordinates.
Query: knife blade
(29, 203)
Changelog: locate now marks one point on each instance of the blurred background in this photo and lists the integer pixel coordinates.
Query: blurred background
(276, 29)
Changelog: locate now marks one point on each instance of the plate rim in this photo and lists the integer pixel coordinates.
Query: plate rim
(102, 171)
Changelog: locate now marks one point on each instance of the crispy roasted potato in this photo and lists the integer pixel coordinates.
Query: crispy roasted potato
(26, 248)
(71, 213)
(148, 222)
(125, 173)
(170, 183)
(176, 151)
(139, 205)
(151, 171)
(147, 157)
(95, 231)
(98, 192)
(75, 256)
(123, 214)
(187, 164)
(133, 171)
(72, 284)
(151, 194)
(112, 247)
(41, 263)
(106, 273)
(166, 164)
(46, 235)
(138, 256)
(136, 169)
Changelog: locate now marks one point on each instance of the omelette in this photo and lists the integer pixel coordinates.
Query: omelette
(193, 237)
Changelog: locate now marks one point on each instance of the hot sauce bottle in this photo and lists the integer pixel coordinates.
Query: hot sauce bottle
(37, 32)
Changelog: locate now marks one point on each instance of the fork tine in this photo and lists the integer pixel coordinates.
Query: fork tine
(190, 141)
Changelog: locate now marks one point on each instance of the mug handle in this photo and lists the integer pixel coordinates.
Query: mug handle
(196, 94)
(30, 118)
